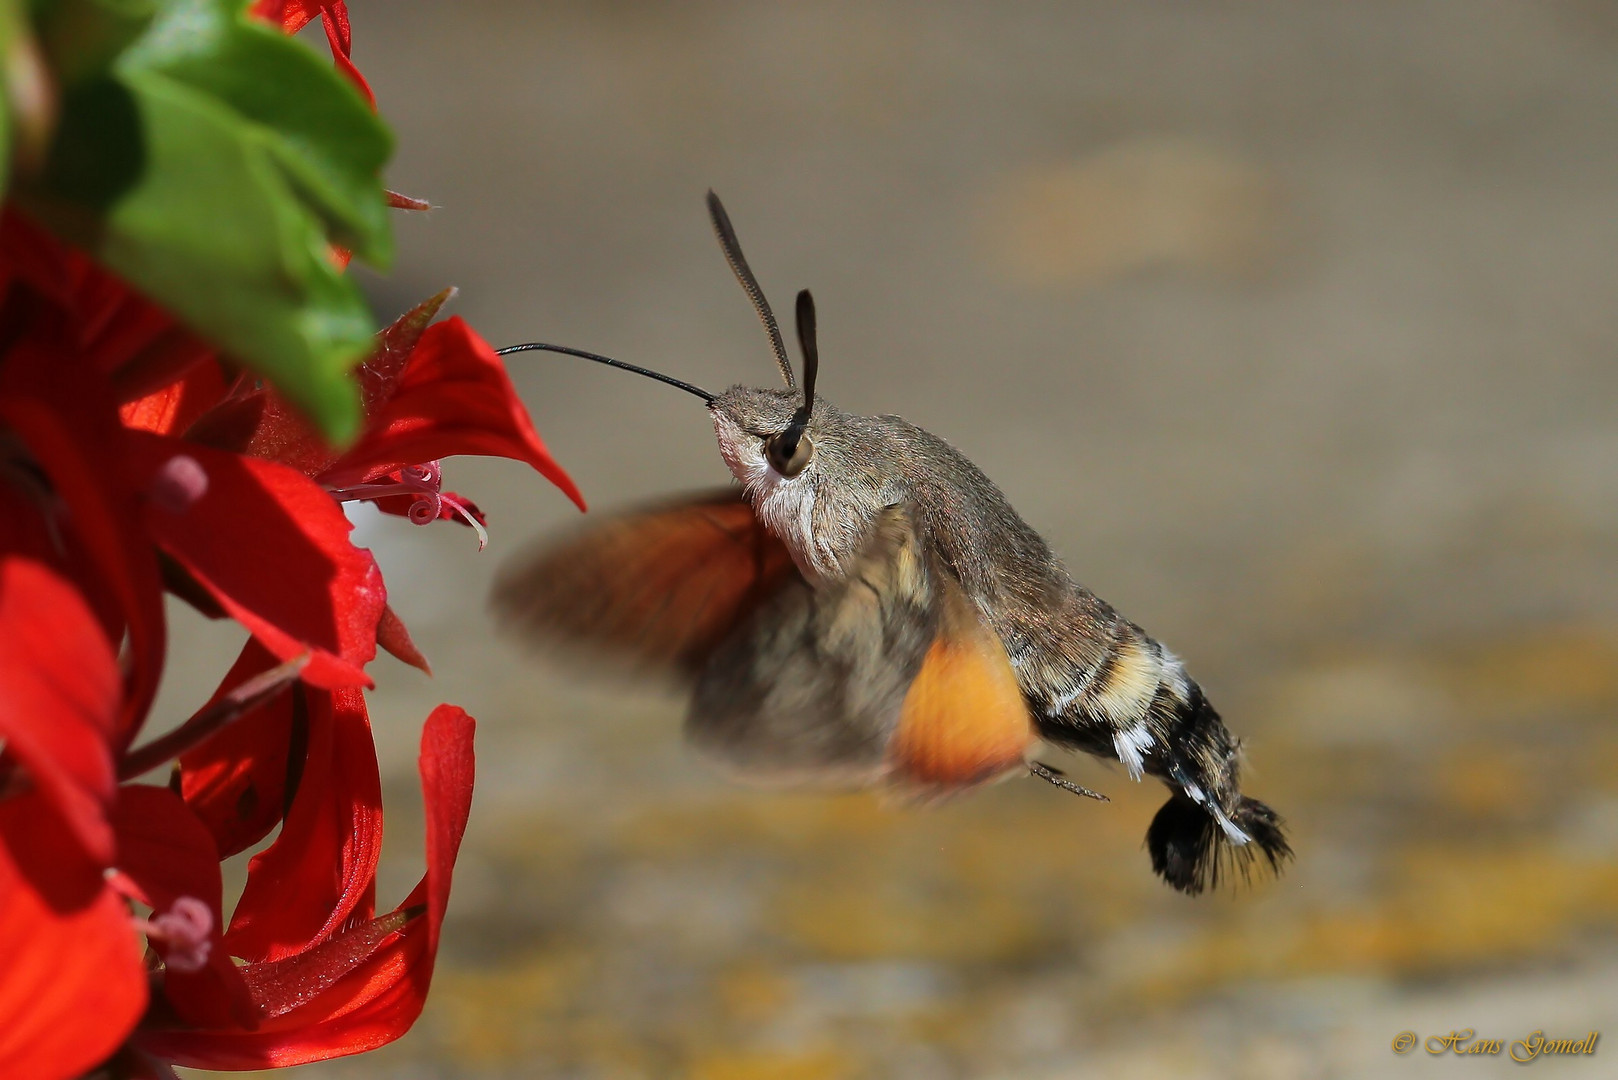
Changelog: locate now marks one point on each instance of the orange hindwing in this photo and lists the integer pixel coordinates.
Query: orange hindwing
(963, 720)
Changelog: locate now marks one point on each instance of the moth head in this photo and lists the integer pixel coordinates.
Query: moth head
(759, 436)
(778, 421)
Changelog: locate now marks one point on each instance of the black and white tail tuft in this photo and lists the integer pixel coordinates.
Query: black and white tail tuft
(1192, 851)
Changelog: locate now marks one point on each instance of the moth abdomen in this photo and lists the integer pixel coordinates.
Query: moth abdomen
(1119, 703)
(1137, 705)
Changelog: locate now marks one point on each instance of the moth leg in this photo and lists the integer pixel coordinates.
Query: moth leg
(1057, 777)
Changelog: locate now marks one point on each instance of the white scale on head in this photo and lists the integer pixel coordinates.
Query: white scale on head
(785, 505)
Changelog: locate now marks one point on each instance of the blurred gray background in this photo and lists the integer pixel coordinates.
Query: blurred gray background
(1291, 325)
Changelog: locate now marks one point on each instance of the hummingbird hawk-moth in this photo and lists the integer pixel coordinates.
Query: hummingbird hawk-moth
(867, 608)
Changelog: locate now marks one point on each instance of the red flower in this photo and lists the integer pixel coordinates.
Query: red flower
(73, 978)
(294, 15)
(134, 460)
(59, 682)
(235, 781)
(97, 505)
(73, 504)
(429, 392)
(452, 396)
(235, 529)
(325, 977)
(244, 530)
(137, 344)
(73, 982)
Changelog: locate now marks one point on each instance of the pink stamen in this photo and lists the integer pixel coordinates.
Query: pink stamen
(186, 929)
(422, 481)
(178, 484)
(467, 516)
(426, 508)
(426, 483)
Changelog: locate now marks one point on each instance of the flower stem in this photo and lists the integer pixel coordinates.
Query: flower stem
(211, 717)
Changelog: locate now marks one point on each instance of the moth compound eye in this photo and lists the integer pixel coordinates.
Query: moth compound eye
(789, 452)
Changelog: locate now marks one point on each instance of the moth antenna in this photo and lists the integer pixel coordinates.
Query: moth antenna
(799, 424)
(744, 274)
(536, 346)
(811, 350)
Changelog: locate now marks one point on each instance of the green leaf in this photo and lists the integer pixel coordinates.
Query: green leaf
(81, 38)
(332, 155)
(210, 166)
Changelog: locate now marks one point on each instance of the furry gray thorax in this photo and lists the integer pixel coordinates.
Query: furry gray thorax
(865, 464)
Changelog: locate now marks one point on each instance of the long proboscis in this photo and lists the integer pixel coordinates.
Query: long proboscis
(744, 274)
(537, 346)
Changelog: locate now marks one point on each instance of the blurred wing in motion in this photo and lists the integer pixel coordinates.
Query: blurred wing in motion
(888, 674)
(655, 589)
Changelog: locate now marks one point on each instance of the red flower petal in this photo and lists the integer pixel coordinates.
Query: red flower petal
(448, 769)
(73, 984)
(377, 998)
(281, 434)
(407, 202)
(273, 549)
(175, 407)
(235, 782)
(64, 414)
(283, 985)
(163, 849)
(167, 854)
(337, 34)
(394, 636)
(264, 426)
(275, 11)
(59, 684)
(335, 14)
(453, 397)
(30, 254)
(321, 870)
(396, 343)
(293, 15)
(115, 327)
